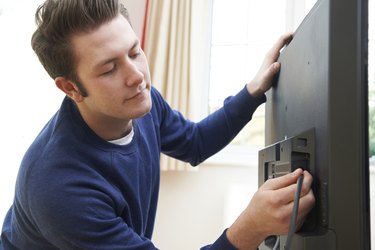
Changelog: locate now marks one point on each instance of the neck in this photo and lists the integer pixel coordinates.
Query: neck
(107, 128)
(111, 131)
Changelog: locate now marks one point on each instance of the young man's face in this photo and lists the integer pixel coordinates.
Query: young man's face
(114, 71)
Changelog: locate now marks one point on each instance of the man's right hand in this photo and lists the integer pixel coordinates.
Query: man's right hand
(269, 211)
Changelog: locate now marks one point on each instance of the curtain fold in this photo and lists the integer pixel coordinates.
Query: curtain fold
(168, 46)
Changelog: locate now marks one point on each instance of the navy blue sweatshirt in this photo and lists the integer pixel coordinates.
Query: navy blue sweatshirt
(75, 190)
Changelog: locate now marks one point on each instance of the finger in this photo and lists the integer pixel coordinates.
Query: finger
(285, 195)
(307, 183)
(300, 222)
(306, 203)
(307, 198)
(272, 70)
(282, 181)
(265, 83)
(283, 40)
(280, 43)
(288, 194)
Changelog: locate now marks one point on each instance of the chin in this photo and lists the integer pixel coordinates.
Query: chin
(142, 110)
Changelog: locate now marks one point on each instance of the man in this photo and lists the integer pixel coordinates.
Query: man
(90, 180)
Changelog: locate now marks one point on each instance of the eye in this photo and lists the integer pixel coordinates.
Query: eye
(135, 54)
(110, 71)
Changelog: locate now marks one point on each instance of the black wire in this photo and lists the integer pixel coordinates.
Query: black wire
(293, 221)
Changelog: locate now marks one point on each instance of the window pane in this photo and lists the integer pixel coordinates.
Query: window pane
(229, 19)
(266, 23)
(242, 32)
(228, 65)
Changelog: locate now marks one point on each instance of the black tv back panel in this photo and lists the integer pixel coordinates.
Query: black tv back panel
(323, 85)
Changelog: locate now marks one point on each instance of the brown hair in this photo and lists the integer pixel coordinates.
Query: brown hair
(57, 20)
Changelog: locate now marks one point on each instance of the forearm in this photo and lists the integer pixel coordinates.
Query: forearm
(195, 142)
(222, 126)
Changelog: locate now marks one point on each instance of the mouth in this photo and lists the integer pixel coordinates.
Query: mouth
(140, 93)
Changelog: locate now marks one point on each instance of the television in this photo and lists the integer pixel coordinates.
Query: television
(317, 119)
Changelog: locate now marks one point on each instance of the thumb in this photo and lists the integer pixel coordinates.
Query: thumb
(269, 74)
(275, 67)
(272, 70)
(282, 181)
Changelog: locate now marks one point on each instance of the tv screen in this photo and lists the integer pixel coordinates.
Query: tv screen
(318, 111)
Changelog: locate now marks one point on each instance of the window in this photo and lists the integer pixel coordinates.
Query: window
(242, 32)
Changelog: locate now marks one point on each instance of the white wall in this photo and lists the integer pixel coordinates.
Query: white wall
(196, 206)
(28, 95)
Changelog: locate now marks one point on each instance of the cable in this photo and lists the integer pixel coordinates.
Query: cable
(293, 221)
(277, 244)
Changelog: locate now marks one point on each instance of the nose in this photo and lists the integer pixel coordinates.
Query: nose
(133, 75)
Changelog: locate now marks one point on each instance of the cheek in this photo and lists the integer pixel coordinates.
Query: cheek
(105, 96)
(145, 68)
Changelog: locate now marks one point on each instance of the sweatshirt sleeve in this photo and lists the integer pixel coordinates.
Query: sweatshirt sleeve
(222, 243)
(194, 142)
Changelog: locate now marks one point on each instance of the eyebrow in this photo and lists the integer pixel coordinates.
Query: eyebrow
(109, 60)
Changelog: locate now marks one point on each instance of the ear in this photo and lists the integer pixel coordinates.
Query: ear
(69, 88)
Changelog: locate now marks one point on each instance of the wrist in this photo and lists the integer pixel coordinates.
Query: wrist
(254, 90)
(244, 236)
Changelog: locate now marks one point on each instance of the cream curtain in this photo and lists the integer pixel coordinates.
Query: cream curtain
(172, 39)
